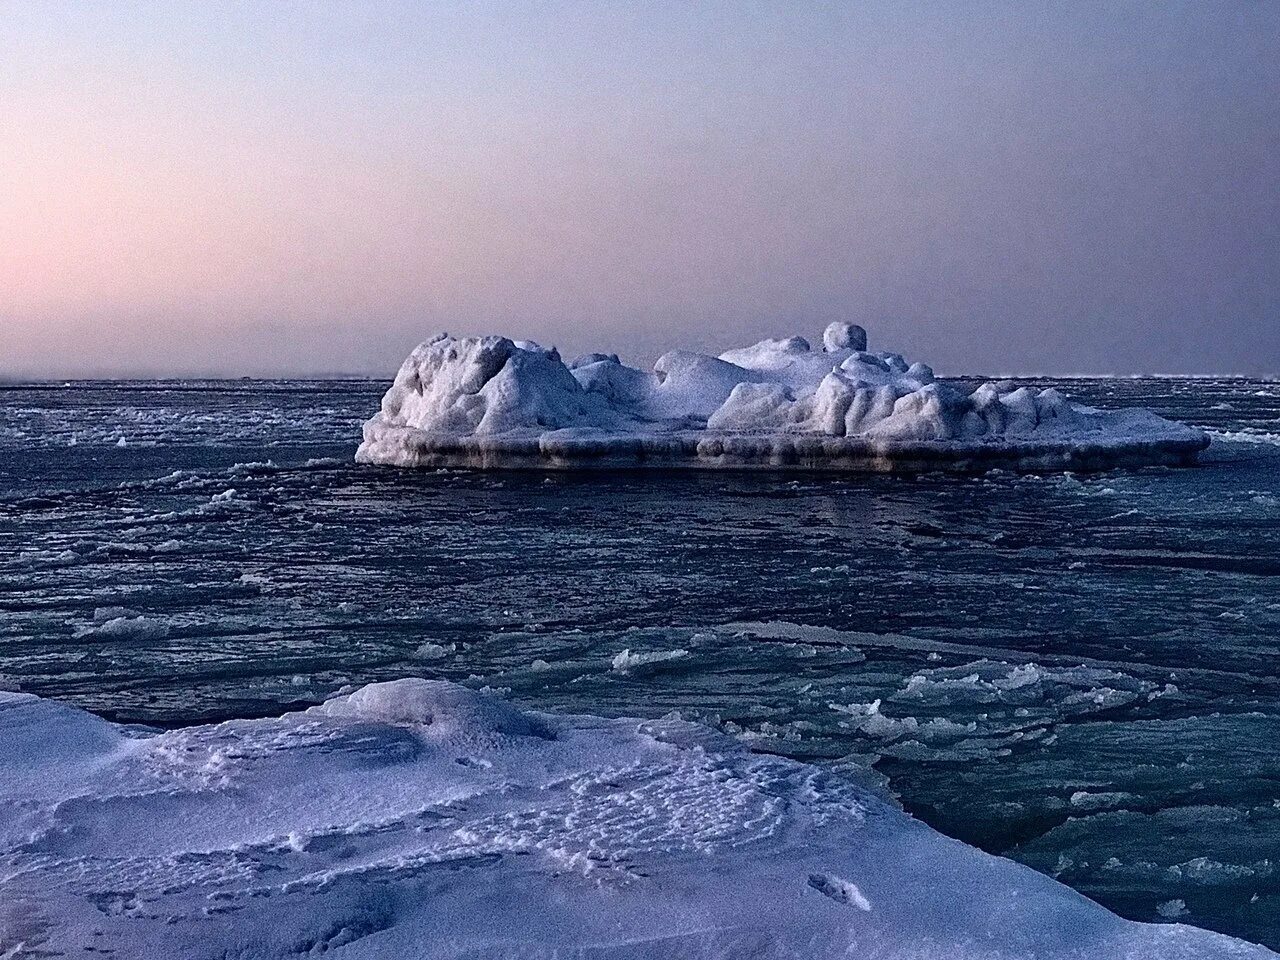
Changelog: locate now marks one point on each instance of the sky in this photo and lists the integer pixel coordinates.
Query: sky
(294, 188)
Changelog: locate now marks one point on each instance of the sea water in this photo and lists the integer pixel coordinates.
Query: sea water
(1079, 672)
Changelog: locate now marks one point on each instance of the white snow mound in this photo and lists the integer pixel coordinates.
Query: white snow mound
(420, 819)
(494, 402)
(434, 708)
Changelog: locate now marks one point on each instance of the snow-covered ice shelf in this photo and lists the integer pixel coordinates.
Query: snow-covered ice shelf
(422, 819)
(491, 402)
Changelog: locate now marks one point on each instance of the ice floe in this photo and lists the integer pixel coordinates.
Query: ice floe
(628, 662)
(122, 623)
(493, 402)
(423, 819)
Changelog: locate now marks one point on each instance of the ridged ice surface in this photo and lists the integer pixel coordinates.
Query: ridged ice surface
(1078, 672)
(419, 818)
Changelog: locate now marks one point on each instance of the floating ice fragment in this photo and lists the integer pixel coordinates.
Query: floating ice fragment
(125, 627)
(493, 402)
(103, 614)
(1103, 800)
(626, 661)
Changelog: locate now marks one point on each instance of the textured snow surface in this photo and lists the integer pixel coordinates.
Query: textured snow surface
(422, 819)
(493, 402)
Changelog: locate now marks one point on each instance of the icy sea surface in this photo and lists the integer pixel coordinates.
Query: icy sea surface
(1078, 672)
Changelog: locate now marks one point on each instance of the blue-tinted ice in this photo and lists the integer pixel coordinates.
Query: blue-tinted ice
(1079, 672)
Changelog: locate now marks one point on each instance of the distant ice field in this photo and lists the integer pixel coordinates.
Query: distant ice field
(1078, 672)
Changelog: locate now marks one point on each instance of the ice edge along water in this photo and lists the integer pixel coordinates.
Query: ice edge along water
(490, 402)
(420, 818)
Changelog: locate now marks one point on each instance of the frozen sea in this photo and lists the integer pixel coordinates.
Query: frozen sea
(1081, 673)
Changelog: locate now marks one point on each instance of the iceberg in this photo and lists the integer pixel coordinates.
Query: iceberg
(423, 819)
(491, 402)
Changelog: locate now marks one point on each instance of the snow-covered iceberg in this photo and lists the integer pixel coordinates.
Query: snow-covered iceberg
(417, 819)
(491, 402)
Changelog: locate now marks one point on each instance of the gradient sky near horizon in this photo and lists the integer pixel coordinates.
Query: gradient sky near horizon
(312, 188)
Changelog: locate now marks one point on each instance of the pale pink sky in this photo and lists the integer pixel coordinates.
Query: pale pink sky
(269, 188)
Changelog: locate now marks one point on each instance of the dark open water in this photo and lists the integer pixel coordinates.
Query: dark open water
(1081, 673)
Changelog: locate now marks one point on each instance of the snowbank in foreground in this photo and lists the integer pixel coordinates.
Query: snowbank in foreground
(421, 819)
(493, 402)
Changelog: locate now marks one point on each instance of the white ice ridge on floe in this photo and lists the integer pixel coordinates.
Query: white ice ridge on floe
(421, 819)
(494, 402)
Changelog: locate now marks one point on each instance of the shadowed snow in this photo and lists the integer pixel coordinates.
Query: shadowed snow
(423, 819)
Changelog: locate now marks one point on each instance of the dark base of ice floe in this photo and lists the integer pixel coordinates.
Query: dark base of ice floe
(404, 447)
